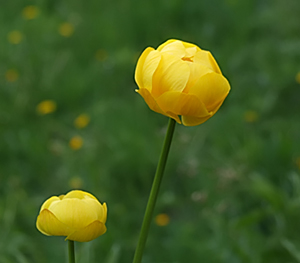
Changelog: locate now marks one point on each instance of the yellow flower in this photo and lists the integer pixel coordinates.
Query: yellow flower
(162, 219)
(82, 121)
(250, 116)
(101, 54)
(66, 29)
(30, 12)
(15, 37)
(46, 107)
(76, 182)
(76, 143)
(298, 77)
(77, 215)
(181, 79)
(11, 75)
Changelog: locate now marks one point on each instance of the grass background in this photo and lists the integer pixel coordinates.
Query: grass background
(232, 185)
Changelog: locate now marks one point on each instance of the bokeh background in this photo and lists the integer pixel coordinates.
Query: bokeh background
(70, 119)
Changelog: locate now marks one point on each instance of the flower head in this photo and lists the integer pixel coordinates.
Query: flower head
(11, 75)
(15, 37)
(82, 121)
(30, 12)
(76, 142)
(162, 219)
(77, 215)
(179, 78)
(66, 29)
(46, 107)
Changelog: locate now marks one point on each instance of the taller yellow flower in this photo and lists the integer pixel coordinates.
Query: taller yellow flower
(179, 78)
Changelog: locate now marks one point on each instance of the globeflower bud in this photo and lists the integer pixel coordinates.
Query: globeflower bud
(179, 78)
(77, 215)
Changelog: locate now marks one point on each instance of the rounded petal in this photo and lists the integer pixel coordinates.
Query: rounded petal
(48, 202)
(76, 213)
(182, 104)
(205, 57)
(211, 89)
(79, 194)
(88, 233)
(175, 48)
(146, 67)
(185, 44)
(49, 225)
(103, 220)
(151, 102)
(172, 74)
(193, 121)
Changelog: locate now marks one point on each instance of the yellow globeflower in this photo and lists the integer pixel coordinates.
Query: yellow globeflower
(162, 219)
(76, 143)
(179, 78)
(66, 29)
(15, 37)
(46, 107)
(298, 77)
(82, 121)
(11, 75)
(30, 12)
(77, 215)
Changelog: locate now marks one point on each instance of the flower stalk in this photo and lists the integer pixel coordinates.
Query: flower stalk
(71, 246)
(154, 193)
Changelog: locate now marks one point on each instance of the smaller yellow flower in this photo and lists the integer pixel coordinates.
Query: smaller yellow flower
(66, 29)
(77, 215)
(46, 107)
(101, 55)
(250, 116)
(30, 12)
(11, 75)
(15, 37)
(82, 121)
(76, 143)
(162, 219)
(298, 77)
(76, 182)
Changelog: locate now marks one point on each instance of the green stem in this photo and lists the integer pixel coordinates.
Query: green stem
(154, 193)
(71, 251)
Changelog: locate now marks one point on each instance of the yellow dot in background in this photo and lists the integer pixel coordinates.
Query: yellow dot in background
(76, 182)
(298, 77)
(162, 219)
(82, 121)
(101, 54)
(250, 116)
(46, 107)
(11, 75)
(30, 12)
(66, 29)
(76, 143)
(15, 37)
(298, 162)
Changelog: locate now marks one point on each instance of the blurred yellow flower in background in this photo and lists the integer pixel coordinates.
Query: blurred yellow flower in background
(162, 219)
(101, 54)
(76, 182)
(11, 75)
(179, 78)
(15, 37)
(66, 29)
(30, 12)
(76, 143)
(298, 77)
(250, 116)
(298, 162)
(82, 121)
(46, 107)
(78, 215)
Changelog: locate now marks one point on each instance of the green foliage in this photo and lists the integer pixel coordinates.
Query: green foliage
(232, 185)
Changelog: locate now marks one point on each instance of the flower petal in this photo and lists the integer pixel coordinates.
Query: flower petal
(76, 213)
(182, 104)
(80, 195)
(175, 48)
(193, 121)
(49, 225)
(172, 74)
(205, 57)
(146, 67)
(48, 202)
(88, 233)
(151, 102)
(211, 89)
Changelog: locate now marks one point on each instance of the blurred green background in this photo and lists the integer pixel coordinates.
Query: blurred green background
(231, 192)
